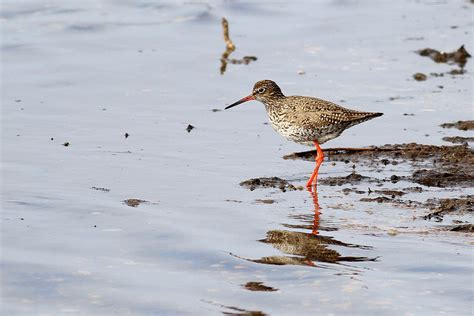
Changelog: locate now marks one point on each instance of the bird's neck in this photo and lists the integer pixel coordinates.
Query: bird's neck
(274, 102)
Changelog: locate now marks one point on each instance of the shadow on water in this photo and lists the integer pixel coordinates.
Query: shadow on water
(303, 248)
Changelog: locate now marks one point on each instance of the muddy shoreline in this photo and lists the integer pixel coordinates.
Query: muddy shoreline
(442, 167)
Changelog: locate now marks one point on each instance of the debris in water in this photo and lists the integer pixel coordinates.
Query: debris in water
(462, 125)
(392, 232)
(459, 56)
(441, 207)
(258, 286)
(100, 189)
(230, 47)
(228, 42)
(235, 201)
(134, 202)
(189, 128)
(265, 201)
(419, 76)
(455, 72)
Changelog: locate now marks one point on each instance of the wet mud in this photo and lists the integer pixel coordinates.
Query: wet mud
(458, 208)
(433, 178)
(353, 178)
(452, 206)
(466, 228)
(443, 166)
(411, 151)
(402, 203)
(458, 56)
(432, 166)
(379, 199)
(271, 182)
(458, 139)
(461, 125)
(392, 193)
(258, 287)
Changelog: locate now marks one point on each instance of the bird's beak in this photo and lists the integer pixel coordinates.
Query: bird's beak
(247, 98)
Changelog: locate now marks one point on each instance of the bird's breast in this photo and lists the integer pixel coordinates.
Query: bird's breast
(285, 125)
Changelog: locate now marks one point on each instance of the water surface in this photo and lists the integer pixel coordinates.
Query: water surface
(86, 73)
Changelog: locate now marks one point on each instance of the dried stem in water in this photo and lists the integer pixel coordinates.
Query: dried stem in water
(228, 42)
(230, 47)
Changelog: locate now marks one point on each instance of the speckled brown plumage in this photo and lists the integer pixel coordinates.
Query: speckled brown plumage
(305, 120)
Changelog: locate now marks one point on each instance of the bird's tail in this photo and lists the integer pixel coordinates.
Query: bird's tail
(365, 116)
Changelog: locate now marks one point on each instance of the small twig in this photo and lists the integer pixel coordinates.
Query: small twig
(228, 42)
(230, 47)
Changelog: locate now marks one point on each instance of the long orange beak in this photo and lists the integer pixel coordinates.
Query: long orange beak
(247, 98)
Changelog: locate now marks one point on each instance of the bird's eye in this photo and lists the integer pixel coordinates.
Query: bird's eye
(261, 90)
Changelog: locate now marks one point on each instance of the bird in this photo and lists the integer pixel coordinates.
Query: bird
(305, 120)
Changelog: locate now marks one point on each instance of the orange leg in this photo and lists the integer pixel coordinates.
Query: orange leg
(319, 161)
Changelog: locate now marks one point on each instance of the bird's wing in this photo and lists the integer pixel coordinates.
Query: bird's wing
(323, 113)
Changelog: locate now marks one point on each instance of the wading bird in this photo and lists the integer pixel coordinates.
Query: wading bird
(305, 120)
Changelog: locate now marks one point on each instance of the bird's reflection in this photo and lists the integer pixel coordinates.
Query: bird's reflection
(302, 248)
(313, 191)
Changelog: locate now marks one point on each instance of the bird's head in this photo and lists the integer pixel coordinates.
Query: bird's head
(263, 91)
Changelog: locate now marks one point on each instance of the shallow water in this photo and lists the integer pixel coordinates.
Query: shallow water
(87, 73)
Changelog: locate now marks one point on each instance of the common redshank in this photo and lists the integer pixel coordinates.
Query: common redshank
(305, 120)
